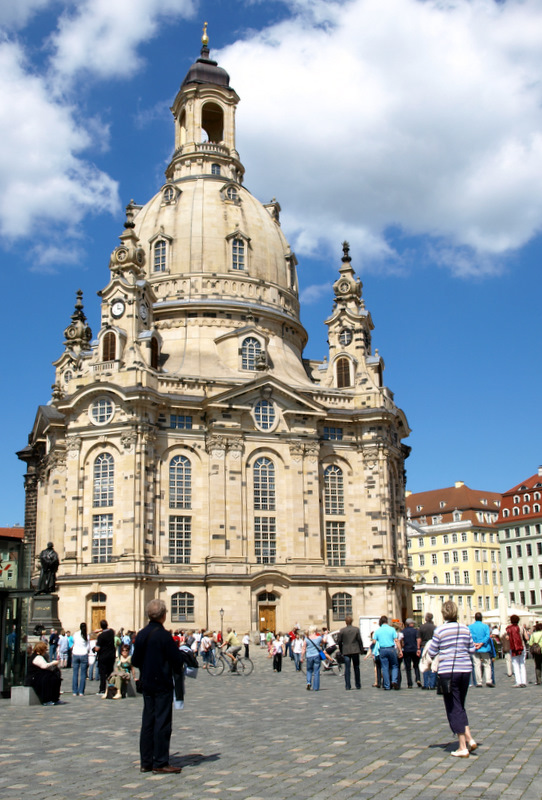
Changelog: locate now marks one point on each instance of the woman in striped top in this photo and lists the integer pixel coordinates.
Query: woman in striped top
(453, 644)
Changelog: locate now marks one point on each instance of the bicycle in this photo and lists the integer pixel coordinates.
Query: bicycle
(239, 666)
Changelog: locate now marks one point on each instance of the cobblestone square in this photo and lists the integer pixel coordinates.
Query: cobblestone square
(266, 738)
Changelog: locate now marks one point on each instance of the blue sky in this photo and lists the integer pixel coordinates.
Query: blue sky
(413, 129)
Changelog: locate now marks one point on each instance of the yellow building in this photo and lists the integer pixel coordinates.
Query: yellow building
(453, 549)
(190, 452)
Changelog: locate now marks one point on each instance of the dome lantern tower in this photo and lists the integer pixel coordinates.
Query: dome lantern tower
(204, 112)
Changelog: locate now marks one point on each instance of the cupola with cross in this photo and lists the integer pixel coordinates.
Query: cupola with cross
(204, 112)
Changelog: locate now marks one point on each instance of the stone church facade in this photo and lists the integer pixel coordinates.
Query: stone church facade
(189, 451)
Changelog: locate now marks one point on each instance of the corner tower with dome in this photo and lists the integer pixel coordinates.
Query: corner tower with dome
(189, 451)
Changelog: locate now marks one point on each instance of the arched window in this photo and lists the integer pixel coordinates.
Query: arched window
(267, 597)
(98, 597)
(264, 485)
(506, 512)
(341, 605)
(343, 373)
(264, 414)
(160, 260)
(215, 169)
(333, 490)
(515, 512)
(182, 607)
(250, 351)
(536, 508)
(264, 500)
(525, 509)
(104, 478)
(180, 482)
(212, 123)
(238, 254)
(169, 194)
(109, 346)
(154, 353)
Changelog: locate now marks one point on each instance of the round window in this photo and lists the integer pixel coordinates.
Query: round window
(101, 411)
(345, 336)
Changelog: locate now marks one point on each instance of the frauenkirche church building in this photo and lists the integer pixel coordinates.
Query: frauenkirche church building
(189, 451)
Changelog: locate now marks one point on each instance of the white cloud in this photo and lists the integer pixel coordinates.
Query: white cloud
(48, 187)
(16, 13)
(314, 293)
(421, 116)
(43, 178)
(101, 37)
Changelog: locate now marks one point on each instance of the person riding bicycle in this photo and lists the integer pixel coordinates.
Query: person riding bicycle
(233, 646)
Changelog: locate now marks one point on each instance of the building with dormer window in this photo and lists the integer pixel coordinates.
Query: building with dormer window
(520, 536)
(190, 452)
(453, 549)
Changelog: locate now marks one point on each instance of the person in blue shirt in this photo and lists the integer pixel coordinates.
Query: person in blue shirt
(386, 636)
(481, 636)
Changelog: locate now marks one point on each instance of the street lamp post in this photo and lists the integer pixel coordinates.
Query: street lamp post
(221, 619)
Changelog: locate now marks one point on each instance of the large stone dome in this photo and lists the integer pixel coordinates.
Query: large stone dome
(221, 245)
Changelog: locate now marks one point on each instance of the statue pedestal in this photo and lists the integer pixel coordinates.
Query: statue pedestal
(45, 611)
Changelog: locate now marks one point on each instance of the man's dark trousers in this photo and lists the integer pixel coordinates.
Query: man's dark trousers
(354, 658)
(156, 727)
(105, 668)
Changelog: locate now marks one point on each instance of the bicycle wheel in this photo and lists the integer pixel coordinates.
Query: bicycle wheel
(244, 666)
(216, 668)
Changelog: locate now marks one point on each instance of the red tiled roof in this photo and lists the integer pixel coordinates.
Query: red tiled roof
(461, 498)
(535, 481)
(12, 533)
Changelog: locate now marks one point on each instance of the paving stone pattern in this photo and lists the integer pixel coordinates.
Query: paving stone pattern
(266, 738)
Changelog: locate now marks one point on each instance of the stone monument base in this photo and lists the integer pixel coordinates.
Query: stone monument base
(45, 611)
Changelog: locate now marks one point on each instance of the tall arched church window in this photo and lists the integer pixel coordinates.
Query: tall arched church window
(264, 485)
(180, 482)
(250, 351)
(180, 539)
(343, 373)
(109, 346)
(238, 254)
(154, 353)
(333, 490)
(103, 480)
(160, 256)
(265, 523)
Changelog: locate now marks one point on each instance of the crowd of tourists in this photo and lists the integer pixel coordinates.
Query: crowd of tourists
(447, 658)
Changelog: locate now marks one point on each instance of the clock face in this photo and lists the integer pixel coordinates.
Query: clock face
(117, 309)
(143, 311)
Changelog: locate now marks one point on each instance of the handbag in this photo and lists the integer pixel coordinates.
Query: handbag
(535, 649)
(444, 684)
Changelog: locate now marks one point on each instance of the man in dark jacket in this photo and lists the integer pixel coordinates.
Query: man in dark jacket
(106, 654)
(351, 647)
(158, 659)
